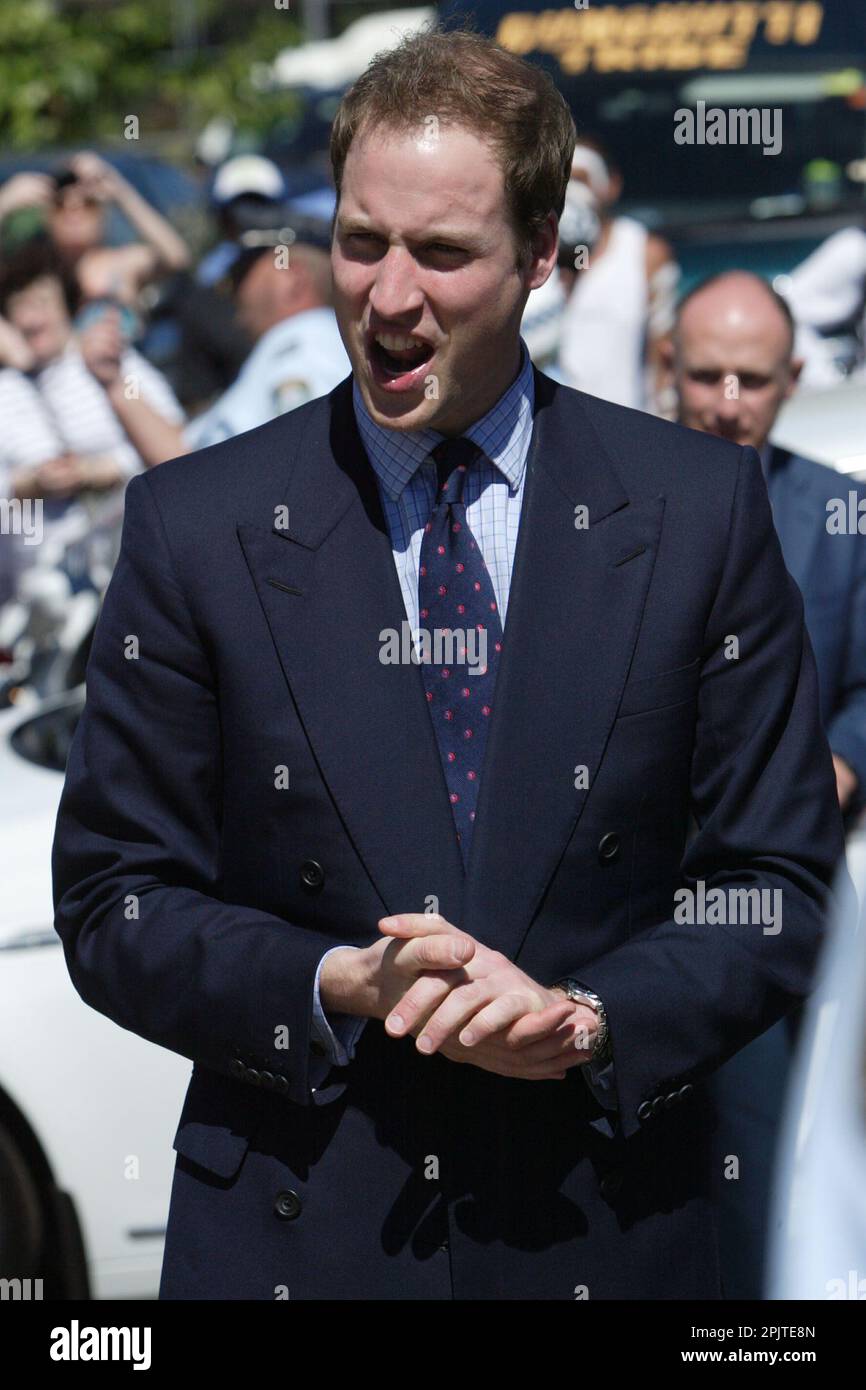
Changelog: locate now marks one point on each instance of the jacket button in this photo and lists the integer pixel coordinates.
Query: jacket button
(266, 1080)
(287, 1206)
(281, 1085)
(608, 848)
(645, 1110)
(237, 1068)
(312, 874)
(672, 1100)
(252, 1076)
(658, 1104)
(685, 1090)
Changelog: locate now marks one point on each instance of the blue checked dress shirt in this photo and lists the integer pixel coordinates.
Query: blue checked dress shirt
(493, 496)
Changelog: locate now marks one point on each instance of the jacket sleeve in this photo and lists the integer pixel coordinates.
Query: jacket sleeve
(148, 939)
(683, 996)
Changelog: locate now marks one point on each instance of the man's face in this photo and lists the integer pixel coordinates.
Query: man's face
(732, 364)
(40, 314)
(254, 299)
(605, 190)
(428, 294)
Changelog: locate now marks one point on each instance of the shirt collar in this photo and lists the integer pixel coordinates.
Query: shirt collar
(503, 434)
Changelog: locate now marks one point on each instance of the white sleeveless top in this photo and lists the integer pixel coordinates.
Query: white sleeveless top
(604, 322)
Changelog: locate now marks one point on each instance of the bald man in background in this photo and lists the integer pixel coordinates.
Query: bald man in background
(732, 364)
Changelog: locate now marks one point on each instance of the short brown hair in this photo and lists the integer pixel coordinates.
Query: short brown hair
(467, 80)
(37, 260)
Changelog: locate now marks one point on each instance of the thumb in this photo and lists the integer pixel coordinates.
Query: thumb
(415, 924)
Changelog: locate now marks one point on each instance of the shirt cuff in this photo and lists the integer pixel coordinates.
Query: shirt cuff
(600, 1078)
(339, 1036)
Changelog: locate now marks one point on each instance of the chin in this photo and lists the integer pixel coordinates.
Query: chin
(399, 415)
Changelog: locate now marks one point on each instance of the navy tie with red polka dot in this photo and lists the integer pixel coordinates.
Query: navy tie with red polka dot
(458, 609)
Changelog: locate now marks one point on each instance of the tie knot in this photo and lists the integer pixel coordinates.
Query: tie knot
(453, 458)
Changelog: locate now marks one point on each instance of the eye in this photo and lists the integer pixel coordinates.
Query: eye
(704, 378)
(361, 240)
(443, 251)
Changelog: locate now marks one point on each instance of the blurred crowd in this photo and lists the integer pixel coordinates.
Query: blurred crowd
(82, 408)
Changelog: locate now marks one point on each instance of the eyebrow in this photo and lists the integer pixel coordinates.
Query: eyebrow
(465, 236)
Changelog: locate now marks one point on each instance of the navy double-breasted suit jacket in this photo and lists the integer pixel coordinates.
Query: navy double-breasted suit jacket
(196, 893)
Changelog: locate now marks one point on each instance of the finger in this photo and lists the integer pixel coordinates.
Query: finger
(462, 1005)
(537, 1071)
(495, 1016)
(540, 1024)
(558, 1046)
(419, 1001)
(433, 953)
(415, 924)
(507, 1018)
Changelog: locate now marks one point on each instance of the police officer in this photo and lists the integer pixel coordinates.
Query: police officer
(280, 277)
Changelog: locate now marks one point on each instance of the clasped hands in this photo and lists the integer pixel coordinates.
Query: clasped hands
(458, 997)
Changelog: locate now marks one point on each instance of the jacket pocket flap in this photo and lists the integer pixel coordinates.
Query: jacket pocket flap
(217, 1122)
(655, 692)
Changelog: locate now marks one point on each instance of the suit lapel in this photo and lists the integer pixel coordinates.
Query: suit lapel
(328, 586)
(574, 610)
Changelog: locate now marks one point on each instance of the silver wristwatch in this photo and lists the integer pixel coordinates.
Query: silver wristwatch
(581, 995)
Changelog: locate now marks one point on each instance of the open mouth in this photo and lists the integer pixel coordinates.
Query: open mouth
(397, 359)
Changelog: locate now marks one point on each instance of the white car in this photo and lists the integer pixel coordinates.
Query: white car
(828, 426)
(88, 1111)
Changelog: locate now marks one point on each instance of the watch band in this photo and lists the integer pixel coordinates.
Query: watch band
(580, 994)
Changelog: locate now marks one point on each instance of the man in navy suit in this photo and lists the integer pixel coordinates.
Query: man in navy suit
(733, 365)
(399, 710)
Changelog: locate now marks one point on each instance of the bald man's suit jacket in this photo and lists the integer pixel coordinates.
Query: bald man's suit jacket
(255, 786)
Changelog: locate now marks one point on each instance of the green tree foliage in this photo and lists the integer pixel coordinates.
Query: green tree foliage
(72, 72)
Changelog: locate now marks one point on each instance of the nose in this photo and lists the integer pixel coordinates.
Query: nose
(727, 405)
(395, 290)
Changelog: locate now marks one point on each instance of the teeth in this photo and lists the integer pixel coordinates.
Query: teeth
(397, 342)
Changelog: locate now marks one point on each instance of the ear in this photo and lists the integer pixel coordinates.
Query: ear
(665, 351)
(795, 369)
(545, 250)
